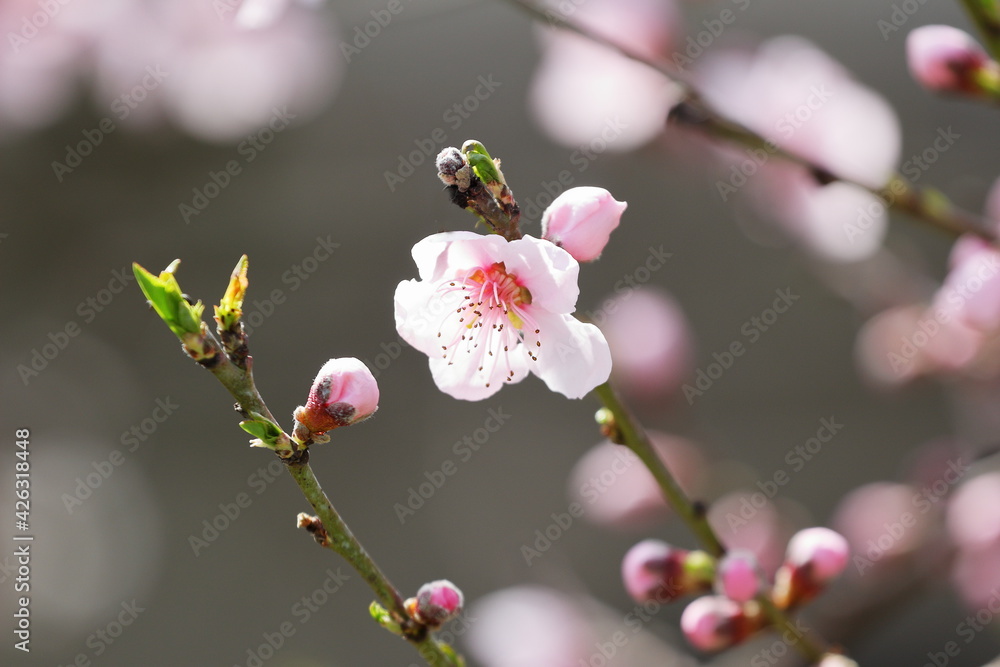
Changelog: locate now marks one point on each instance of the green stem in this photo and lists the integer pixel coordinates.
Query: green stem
(695, 113)
(241, 385)
(631, 434)
(986, 15)
(636, 439)
(343, 541)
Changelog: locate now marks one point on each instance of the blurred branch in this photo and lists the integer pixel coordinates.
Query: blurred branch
(925, 204)
(986, 15)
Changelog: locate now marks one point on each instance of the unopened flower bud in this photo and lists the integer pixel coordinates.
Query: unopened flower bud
(813, 558)
(713, 622)
(836, 660)
(344, 392)
(946, 59)
(580, 221)
(654, 570)
(453, 168)
(739, 576)
(436, 603)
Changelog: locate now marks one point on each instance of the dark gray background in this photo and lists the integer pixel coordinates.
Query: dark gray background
(325, 177)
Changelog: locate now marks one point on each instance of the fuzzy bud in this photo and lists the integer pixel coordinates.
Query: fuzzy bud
(739, 576)
(344, 392)
(945, 59)
(654, 570)
(436, 603)
(581, 220)
(814, 557)
(713, 622)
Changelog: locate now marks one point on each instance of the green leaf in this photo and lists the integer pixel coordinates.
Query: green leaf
(269, 433)
(482, 163)
(165, 295)
(384, 618)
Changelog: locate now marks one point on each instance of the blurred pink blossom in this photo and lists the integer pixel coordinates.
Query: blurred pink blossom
(548, 627)
(748, 520)
(739, 575)
(871, 518)
(974, 513)
(652, 346)
(618, 491)
(586, 95)
(803, 101)
(185, 61)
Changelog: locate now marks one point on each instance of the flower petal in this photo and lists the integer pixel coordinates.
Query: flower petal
(573, 358)
(421, 310)
(548, 271)
(461, 377)
(450, 252)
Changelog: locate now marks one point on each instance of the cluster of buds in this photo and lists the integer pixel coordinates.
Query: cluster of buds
(476, 184)
(654, 570)
(580, 220)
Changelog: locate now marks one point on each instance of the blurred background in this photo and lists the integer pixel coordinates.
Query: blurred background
(304, 137)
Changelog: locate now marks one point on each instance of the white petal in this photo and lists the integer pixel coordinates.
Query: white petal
(447, 254)
(574, 356)
(461, 377)
(549, 272)
(422, 311)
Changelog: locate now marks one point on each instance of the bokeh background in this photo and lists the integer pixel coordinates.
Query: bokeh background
(323, 177)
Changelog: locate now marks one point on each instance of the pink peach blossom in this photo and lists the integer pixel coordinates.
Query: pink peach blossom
(580, 221)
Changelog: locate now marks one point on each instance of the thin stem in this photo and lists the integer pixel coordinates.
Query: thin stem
(631, 434)
(635, 438)
(694, 112)
(341, 540)
(986, 15)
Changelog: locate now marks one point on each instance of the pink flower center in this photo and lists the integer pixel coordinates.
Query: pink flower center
(493, 319)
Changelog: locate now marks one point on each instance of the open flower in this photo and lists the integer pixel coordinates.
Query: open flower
(487, 311)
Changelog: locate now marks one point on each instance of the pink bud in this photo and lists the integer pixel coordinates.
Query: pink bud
(824, 551)
(944, 59)
(654, 570)
(437, 602)
(344, 392)
(580, 221)
(739, 576)
(712, 623)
